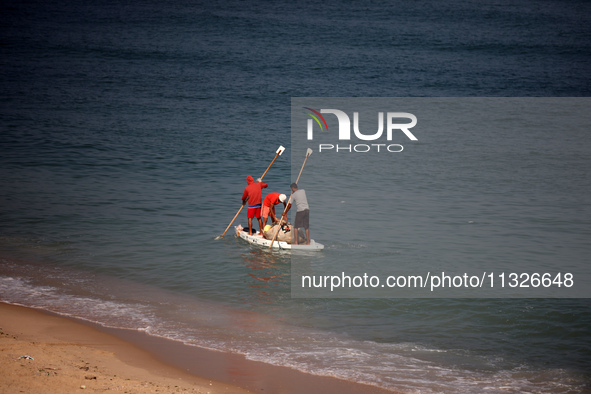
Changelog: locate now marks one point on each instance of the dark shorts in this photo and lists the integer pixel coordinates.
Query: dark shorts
(302, 219)
(254, 213)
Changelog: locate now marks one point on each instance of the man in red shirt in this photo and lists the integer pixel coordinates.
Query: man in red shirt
(269, 203)
(252, 192)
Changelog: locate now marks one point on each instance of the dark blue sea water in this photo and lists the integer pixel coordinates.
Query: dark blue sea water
(128, 128)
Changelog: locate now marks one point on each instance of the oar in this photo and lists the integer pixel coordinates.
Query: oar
(308, 153)
(277, 153)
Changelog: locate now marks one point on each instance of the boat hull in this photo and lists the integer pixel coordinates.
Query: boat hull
(258, 239)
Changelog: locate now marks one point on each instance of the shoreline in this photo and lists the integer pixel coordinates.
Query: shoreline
(69, 353)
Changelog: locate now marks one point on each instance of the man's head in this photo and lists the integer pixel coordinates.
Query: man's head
(294, 186)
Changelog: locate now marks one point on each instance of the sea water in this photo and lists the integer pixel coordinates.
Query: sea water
(128, 130)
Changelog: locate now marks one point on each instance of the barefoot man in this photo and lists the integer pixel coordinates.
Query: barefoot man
(252, 192)
(269, 203)
(298, 197)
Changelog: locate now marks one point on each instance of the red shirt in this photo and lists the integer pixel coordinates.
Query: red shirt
(253, 191)
(271, 199)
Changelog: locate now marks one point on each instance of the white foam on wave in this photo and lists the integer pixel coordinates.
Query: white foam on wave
(110, 313)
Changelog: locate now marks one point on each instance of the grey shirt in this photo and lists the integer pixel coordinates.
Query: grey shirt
(299, 199)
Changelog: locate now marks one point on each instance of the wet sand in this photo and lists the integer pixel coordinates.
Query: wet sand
(43, 352)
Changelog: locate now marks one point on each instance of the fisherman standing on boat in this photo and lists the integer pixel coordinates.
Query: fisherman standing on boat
(253, 192)
(298, 197)
(269, 203)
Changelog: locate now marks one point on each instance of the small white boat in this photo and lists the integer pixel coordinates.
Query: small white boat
(257, 239)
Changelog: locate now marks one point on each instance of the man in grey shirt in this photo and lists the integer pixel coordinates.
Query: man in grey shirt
(298, 197)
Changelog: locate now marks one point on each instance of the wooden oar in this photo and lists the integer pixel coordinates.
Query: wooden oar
(308, 153)
(277, 153)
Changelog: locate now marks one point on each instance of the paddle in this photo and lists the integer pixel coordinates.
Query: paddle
(277, 153)
(308, 153)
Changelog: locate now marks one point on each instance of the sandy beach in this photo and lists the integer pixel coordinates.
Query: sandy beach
(42, 352)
